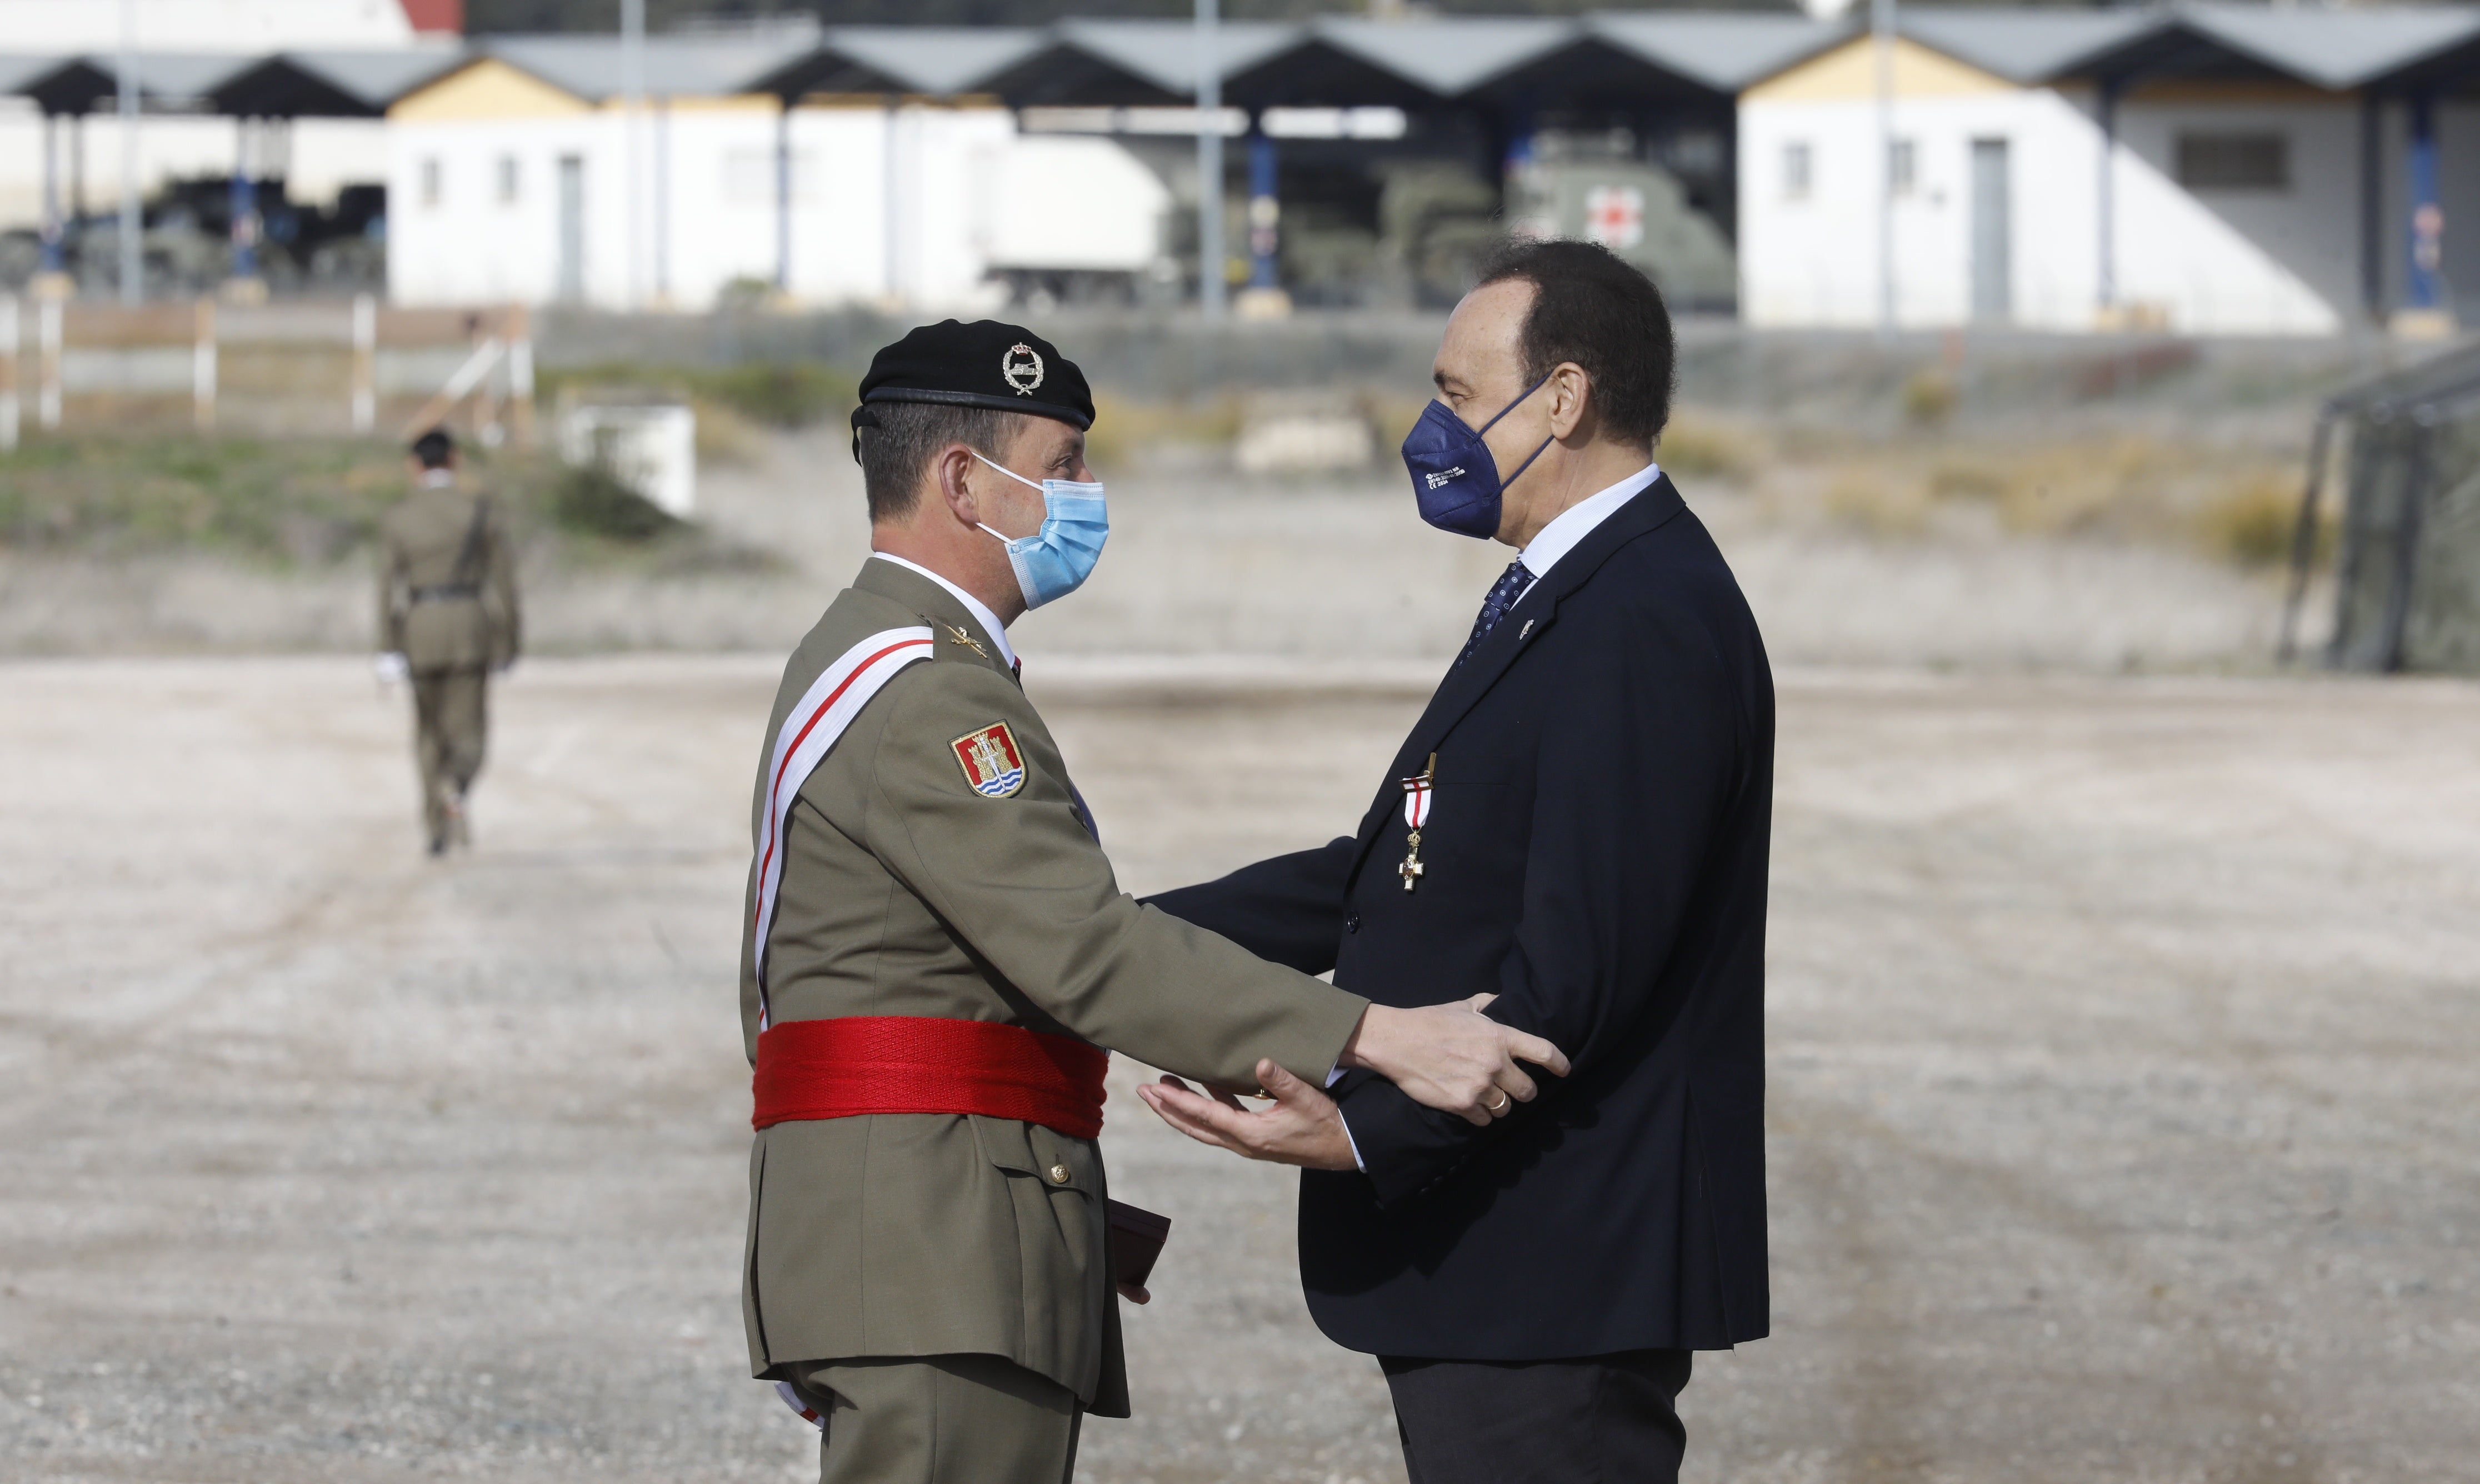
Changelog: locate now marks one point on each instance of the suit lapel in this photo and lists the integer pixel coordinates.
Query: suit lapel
(1531, 616)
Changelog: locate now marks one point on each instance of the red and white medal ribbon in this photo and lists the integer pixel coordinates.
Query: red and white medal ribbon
(809, 730)
(1417, 801)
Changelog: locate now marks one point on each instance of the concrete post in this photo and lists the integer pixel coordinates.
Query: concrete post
(9, 371)
(47, 393)
(203, 365)
(366, 339)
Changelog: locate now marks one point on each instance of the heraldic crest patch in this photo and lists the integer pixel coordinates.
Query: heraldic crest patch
(991, 761)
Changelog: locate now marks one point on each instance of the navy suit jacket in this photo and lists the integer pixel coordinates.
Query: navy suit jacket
(1596, 857)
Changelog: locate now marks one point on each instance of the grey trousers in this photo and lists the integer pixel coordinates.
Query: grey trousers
(940, 1420)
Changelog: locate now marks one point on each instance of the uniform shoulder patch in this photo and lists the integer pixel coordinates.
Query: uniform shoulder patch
(993, 765)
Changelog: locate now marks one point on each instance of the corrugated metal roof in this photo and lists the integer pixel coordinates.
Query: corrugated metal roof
(675, 66)
(2026, 46)
(1163, 52)
(1727, 51)
(2337, 49)
(331, 84)
(1446, 56)
(16, 71)
(934, 59)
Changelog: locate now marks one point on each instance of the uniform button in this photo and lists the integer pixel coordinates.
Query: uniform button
(1059, 1174)
(1352, 924)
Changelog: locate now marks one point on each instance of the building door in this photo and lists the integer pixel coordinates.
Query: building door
(1993, 244)
(572, 229)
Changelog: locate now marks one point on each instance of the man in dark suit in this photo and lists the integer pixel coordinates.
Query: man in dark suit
(1578, 826)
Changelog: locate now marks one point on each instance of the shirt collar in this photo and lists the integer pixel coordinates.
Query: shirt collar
(438, 478)
(1577, 521)
(973, 605)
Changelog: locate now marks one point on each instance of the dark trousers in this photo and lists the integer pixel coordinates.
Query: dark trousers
(451, 722)
(1601, 1420)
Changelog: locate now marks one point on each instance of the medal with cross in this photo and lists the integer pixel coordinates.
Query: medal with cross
(1417, 813)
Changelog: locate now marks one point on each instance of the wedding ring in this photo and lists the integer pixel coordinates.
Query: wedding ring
(1499, 1107)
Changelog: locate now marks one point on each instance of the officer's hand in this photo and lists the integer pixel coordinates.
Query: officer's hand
(1452, 1056)
(1133, 1293)
(1302, 1128)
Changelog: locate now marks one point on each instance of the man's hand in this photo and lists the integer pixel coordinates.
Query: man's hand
(1302, 1128)
(1452, 1056)
(1133, 1293)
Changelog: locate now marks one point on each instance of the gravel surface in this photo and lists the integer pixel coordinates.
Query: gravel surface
(2122, 1108)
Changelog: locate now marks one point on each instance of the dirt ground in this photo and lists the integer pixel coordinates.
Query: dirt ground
(2121, 1114)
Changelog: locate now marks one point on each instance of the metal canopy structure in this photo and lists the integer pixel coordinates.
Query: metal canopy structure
(928, 60)
(165, 80)
(326, 85)
(2407, 580)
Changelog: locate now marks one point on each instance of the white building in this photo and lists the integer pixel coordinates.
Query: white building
(2072, 172)
(525, 176)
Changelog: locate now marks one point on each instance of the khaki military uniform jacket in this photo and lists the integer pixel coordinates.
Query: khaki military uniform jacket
(905, 892)
(434, 615)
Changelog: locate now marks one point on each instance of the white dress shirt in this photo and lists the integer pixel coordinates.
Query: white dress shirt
(973, 605)
(1577, 521)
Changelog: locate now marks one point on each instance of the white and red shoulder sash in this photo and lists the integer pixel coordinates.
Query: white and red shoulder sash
(810, 730)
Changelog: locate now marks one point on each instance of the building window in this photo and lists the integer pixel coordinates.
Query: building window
(2235, 162)
(1795, 169)
(1902, 167)
(508, 180)
(430, 181)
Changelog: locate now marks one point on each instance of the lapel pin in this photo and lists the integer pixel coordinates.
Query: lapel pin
(1526, 632)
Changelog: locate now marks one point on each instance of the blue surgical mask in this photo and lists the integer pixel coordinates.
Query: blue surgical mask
(1055, 560)
(1454, 476)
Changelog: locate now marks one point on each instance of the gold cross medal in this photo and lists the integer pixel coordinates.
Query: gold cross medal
(1417, 813)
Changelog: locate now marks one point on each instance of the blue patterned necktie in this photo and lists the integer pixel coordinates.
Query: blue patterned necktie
(1502, 594)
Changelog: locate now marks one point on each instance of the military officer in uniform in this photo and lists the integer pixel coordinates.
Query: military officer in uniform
(936, 962)
(448, 619)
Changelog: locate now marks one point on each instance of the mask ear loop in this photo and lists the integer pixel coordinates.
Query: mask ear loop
(1503, 412)
(1008, 541)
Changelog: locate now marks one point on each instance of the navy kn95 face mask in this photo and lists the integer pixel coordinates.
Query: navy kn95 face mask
(1455, 478)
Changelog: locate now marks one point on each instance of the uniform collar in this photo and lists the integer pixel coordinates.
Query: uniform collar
(991, 627)
(438, 478)
(1578, 521)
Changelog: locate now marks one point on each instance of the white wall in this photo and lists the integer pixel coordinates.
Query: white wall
(969, 195)
(2235, 265)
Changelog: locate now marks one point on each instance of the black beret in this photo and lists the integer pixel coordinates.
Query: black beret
(985, 364)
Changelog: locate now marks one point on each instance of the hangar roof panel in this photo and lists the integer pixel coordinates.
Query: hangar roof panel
(2338, 49)
(1445, 56)
(1163, 52)
(1725, 51)
(331, 84)
(589, 66)
(933, 59)
(2026, 46)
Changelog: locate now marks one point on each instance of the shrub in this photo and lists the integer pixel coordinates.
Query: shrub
(590, 500)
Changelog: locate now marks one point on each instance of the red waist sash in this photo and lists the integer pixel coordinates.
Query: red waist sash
(918, 1063)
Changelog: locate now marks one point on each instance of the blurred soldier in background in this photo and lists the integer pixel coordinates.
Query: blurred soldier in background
(448, 617)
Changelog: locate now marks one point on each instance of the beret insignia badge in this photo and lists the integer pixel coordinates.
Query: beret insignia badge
(992, 765)
(1022, 368)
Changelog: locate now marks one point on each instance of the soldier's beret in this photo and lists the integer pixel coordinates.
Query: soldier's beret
(985, 364)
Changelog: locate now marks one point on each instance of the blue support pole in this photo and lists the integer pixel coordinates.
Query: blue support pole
(1265, 213)
(2427, 216)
